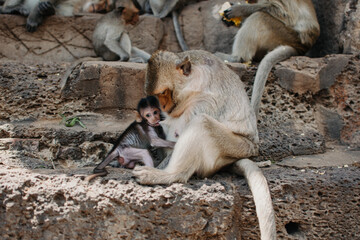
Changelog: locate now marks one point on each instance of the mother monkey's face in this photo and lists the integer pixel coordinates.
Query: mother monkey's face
(166, 83)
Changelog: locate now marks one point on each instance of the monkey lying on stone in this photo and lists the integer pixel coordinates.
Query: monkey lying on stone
(37, 10)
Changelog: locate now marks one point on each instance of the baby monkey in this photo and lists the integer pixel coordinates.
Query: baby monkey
(134, 144)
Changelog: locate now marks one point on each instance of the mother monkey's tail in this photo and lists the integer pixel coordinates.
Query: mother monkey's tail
(260, 190)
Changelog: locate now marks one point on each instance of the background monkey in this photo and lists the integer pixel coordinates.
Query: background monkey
(36, 10)
(110, 40)
(159, 8)
(143, 135)
(208, 109)
(277, 28)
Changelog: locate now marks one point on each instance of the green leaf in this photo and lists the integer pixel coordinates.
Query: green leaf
(71, 121)
(81, 124)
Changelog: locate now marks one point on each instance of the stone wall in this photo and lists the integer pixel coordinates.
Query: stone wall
(69, 38)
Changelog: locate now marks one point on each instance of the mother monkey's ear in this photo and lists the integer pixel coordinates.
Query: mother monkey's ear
(184, 66)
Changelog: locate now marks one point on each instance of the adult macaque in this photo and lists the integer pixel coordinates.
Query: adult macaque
(36, 10)
(277, 28)
(210, 114)
(143, 135)
(110, 40)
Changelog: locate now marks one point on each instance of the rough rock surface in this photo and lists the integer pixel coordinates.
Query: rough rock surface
(108, 85)
(350, 36)
(302, 74)
(328, 79)
(50, 204)
(339, 26)
(342, 98)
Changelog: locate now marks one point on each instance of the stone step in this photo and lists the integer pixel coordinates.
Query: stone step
(87, 146)
(112, 90)
(56, 144)
(309, 204)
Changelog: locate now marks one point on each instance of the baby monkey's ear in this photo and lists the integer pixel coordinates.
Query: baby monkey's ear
(138, 117)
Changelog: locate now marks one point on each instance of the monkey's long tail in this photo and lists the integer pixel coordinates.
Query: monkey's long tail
(278, 54)
(178, 32)
(167, 7)
(262, 198)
